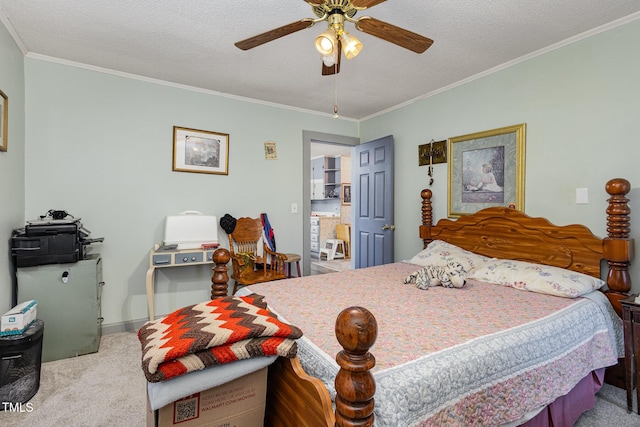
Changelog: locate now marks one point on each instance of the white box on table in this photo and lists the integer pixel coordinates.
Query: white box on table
(190, 229)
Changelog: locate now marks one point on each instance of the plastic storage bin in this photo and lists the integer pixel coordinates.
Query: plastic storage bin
(20, 362)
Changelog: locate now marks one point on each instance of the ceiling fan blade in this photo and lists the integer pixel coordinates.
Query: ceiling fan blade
(315, 2)
(364, 4)
(276, 33)
(334, 69)
(329, 71)
(396, 35)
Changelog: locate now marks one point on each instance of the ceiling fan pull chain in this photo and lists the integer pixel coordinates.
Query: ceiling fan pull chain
(335, 103)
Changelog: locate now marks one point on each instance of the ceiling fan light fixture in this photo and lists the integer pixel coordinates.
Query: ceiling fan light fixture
(326, 42)
(331, 59)
(350, 45)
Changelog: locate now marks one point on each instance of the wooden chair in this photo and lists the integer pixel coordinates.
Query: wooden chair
(343, 232)
(249, 265)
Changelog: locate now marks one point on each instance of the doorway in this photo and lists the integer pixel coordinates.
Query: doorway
(316, 144)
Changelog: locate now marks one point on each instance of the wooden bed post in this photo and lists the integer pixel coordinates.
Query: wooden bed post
(295, 399)
(618, 247)
(427, 217)
(220, 278)
(356, 330)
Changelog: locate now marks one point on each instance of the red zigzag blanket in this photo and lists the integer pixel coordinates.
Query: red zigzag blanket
(213, 333)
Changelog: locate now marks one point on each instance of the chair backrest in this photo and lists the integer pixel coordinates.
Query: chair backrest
(245, 236)
(343, 232)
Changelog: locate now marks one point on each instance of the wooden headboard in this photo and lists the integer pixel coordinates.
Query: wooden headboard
(501, 232)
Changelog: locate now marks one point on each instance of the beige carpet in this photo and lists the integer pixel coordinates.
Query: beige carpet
(107, 389)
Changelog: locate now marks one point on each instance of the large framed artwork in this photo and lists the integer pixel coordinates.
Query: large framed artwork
(4, 120)
(200, 151)
(486, 169)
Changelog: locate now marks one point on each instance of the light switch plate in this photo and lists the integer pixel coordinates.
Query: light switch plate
(582, 195)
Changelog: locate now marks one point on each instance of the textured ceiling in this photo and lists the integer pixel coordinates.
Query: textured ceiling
(191, 43)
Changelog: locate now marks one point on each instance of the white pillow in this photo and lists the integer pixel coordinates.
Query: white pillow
(536, 278)
(440, 253)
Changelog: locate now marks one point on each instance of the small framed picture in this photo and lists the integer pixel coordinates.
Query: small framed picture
(4, 120)
(270, 150)
(200, 151)
(346, 194)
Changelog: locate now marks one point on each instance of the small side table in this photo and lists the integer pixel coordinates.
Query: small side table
(631, 324)
(159, 258)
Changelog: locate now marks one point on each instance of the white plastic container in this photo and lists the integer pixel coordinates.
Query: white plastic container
(190, 230)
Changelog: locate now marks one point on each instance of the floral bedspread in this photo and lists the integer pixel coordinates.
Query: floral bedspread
(479, 355)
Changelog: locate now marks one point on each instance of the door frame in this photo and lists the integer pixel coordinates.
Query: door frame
(307, 138)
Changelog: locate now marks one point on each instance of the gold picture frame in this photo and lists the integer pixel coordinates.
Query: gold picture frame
(200, 151)
(486, 169)
(4, 120)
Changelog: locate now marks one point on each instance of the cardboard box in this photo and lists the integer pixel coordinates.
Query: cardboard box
(238, 403)
(19, 318)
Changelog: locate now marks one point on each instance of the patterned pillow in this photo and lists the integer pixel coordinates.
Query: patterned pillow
(537, 278)
(440, 253)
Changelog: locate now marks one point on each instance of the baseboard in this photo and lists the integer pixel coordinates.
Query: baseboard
(128, 326)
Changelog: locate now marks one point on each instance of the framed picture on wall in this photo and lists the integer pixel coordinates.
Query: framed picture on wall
(200, 151)
(270, 152)
(346, 194)
(486, 169)
(4, 120)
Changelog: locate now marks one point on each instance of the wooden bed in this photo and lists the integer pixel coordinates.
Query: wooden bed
(297, 399)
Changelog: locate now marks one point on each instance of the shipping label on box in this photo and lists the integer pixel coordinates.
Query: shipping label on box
(240, 403)
(19, 318)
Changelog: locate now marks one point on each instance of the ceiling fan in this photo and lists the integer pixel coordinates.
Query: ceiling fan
(336, 38)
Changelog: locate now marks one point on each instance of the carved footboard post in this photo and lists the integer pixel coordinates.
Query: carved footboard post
(427, 217)
(220, 278)
(618, 247)
(356, 330)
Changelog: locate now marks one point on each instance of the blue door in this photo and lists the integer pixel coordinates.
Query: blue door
(372, 188)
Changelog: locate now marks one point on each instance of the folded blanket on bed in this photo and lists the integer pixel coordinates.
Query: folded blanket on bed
(212, 333)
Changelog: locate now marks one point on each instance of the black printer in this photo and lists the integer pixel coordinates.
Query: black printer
(54, 238)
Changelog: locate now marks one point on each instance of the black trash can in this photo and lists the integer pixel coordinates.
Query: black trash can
(20, 362)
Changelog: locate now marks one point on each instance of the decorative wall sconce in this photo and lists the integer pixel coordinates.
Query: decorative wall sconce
(432, 153)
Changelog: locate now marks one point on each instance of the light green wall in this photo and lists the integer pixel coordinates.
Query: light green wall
(100, 147)
(581, 104)
(12, 192)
